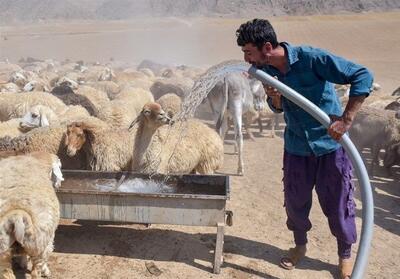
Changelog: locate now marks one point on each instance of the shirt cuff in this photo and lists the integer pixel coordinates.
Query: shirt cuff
(271, 106)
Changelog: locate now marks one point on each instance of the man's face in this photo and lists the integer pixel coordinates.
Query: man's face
(255, 56)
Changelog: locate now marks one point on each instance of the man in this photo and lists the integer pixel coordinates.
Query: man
(312, 154)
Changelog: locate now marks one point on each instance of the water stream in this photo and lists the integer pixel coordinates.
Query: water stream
(205, 83)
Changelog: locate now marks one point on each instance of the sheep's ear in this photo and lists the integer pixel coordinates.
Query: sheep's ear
(134, 122)
(87, 129)
(56, 174)
(44, 122)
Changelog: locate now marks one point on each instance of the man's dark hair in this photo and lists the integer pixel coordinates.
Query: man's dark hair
(257, 32)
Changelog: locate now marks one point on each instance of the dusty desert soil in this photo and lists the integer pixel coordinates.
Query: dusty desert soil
(258, 238)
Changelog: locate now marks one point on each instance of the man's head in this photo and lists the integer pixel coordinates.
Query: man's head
(257, 39)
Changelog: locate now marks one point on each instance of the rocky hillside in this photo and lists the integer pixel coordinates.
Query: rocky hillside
(13, 11)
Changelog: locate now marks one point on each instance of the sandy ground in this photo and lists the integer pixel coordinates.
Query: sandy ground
(259, 237)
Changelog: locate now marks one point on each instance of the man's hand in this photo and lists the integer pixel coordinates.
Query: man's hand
(338, 127)
(274, 94)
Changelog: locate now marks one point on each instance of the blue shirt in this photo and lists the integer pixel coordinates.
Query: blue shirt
(312, 72)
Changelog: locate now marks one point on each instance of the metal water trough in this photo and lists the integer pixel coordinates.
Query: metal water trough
(196, 200)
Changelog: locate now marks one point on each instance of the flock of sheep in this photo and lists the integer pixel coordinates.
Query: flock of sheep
(105, 118)
(86, 117)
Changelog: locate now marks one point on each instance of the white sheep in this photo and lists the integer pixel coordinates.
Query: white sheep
(111, 88)
(29, 211)
(121, 111)
(179, 86)
(14, 105)
(97, 97)
(9, 87)
(184, 147)
(36, 85)
(170, 103)
(42, 116)
(11, 128)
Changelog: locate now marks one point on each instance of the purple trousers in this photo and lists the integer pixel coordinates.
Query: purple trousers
(331, 174)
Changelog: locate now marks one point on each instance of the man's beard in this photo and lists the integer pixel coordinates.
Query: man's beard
(265, 62)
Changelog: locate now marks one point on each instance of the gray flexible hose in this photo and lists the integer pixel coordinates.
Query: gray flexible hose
(361, 172)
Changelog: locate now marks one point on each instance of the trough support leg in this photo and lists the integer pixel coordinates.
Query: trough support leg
(219, 245)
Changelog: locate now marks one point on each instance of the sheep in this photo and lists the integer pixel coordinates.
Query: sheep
(392, 155)
(147, 72)
(7, 69)
(179, 86)
(252, 115)
(343, 90)
(396, 92)
(111, 88)
(11, 128)
(46, 139)
(29, 211)
(394, 105)
(36, 85)
(97, 73)
(14, 105)
(155, 67)
(181, 72)
(139, 96)
(68, 97)
(19, 78)
(144, 83)
(121, 111)
(376, 129)
(185, 147)
(97, 97)
(9, 87)
(105, 149)
(379, 101)
(42, 116)
(71, 80)
(170, 103)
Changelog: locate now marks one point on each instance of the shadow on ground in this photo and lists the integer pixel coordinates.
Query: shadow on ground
(167, 245)
(386, 192)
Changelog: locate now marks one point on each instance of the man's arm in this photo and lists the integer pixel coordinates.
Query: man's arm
(340, 125)
(341, 71)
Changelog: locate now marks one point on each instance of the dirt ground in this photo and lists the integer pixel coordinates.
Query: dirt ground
(254, 244)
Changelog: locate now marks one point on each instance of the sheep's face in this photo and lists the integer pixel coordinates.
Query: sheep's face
(154, 115)
(56, 174)
(75, 138)
(392, 155)
(33, 119)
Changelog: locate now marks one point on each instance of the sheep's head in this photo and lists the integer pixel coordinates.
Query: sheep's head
(56, 174)
(75, 137)
(37, 116)
(53, 163)
(152, 116)
(392, 155)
